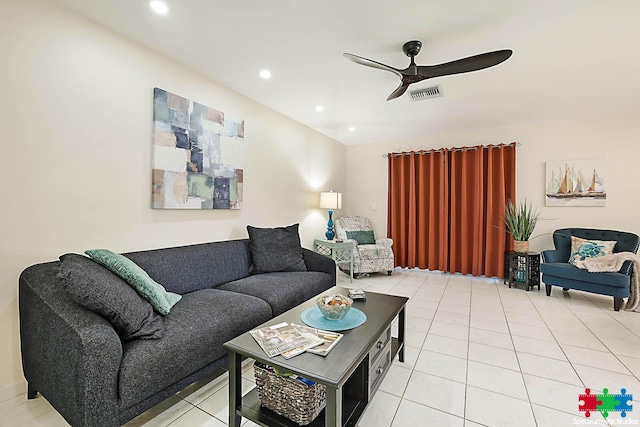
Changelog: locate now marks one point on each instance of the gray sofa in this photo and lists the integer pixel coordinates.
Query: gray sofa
(82, 366)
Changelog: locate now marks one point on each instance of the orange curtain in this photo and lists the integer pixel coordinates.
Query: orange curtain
(446, 208)
(417, 201)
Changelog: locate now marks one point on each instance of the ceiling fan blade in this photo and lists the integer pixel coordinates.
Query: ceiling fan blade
(399, 92)
(465, 65)
(369, 63)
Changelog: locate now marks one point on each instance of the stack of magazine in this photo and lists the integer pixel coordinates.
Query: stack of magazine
(289, 339)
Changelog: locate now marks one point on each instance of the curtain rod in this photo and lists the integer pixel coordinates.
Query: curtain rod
(406, 153)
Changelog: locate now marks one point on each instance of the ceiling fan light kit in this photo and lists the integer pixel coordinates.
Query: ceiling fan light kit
(416, 73)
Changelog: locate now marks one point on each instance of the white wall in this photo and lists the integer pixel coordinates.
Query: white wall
(75, 154)
(612, 139)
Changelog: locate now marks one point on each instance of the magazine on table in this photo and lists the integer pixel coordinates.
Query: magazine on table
(329, 339)
(314, 341)
(279, 338)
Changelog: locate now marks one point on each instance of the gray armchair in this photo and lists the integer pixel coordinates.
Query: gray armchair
(557, 271)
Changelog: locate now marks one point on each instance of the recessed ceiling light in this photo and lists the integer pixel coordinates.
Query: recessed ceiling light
(265, 74)
(319, 108)
(352, 129)
(159, 7)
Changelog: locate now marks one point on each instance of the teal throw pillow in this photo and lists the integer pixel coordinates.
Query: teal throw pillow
(363, 237)
(149, 289)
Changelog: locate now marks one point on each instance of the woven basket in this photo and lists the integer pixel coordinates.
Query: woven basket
(521, 246)
(299, 402)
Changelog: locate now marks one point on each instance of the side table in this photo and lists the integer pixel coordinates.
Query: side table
(340, 252)
(522, 268)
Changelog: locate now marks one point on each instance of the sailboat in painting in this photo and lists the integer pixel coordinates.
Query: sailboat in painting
(567, 184)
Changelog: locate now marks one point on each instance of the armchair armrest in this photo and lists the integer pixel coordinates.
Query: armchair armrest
(69, 354)
(385, 242)
(318, 262)
(552, 255)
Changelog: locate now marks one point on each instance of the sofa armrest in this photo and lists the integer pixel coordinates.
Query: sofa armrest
(385, 242)
(627, 268)
(317, 262)
(552, 255)
(69, 354)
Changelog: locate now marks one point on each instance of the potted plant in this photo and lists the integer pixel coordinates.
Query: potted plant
(520, 220)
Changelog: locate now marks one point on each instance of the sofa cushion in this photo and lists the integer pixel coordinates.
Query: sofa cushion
(195, 330)
(583, 248)
(569, 271)
(275, 249)
(282, 291)
(98, 289)
(155, 293)
(363, 237)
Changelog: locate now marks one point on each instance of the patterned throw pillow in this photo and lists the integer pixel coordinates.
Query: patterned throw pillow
(363, 237)
(583, 248)
(149, 289)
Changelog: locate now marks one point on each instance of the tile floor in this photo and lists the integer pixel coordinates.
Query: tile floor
(478, 354)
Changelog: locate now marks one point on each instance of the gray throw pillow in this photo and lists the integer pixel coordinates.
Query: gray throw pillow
(363, 237)
(275, 249)
(96, 288)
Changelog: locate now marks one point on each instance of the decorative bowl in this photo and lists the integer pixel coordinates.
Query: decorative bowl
(334, 307)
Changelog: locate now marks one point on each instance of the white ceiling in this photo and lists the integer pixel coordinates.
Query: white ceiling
(572, 58)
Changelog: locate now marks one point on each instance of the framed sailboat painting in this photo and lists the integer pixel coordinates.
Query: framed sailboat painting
(576, 183)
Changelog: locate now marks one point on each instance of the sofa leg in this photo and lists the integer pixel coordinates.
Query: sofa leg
(31, 392)
(548, 289)
(565, 289)
(617, 303)
(389, 272)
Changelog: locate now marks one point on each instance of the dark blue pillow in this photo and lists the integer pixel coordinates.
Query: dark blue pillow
(275, 249)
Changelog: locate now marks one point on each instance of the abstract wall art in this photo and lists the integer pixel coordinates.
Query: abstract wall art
(576, 183)
(198, 155)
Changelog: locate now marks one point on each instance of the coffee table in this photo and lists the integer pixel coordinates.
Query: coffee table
(351, 372)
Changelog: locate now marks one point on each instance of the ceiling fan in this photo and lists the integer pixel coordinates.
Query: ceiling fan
(415, 73)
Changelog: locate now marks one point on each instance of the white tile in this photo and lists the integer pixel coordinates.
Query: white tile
(455, 308)
(579, 339)
(499, 380)
(494, 325)
(396, 380)
(380, 411)
(442, 365)
(20, 410)
(494, 409)
(632, 364)
(594, 358)
(553, 394)
(411, 414)
(455, 318)
(446, 345)
(195, 395)
(414, 338)
(495, 339)
(449, 330)
(598, 379)
(553, 369)
(217, 404)
(536, 332)
(417, 323)
(197, 418)
(162, 414)
(410, 357)
(551, 417)
(493, 356)
(436, 392)
(537, 347)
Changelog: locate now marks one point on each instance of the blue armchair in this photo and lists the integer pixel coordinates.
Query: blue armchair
(557, 271)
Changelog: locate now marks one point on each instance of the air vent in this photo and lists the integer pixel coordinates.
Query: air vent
(426, 93)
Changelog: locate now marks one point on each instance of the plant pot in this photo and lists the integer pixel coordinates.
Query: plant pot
(521, 246)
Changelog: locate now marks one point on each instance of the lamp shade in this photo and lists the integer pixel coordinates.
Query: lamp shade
(330, 200)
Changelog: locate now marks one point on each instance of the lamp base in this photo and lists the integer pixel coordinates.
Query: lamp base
(330, 234)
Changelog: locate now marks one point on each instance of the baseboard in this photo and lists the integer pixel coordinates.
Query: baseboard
(12, 390)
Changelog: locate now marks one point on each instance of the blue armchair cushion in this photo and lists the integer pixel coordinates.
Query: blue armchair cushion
(584, 248)
(569, 271)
